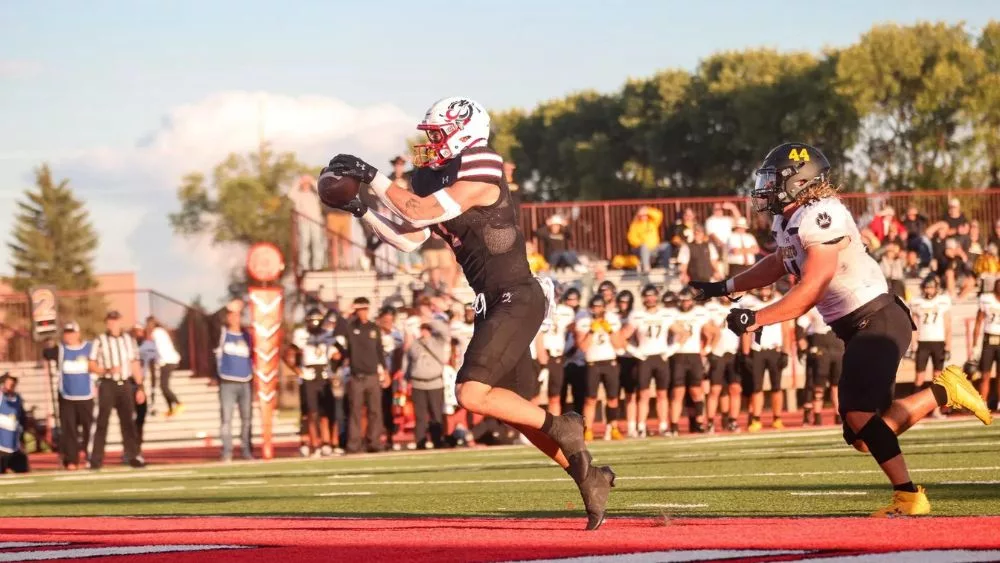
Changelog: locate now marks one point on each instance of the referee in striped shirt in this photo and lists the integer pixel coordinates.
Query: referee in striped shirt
(114, 359)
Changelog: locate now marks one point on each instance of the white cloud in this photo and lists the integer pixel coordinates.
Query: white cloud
(130, 191)
(19, 68)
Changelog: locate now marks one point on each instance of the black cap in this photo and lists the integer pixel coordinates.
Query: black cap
(112, 315)
(398, 160)
(361, 303)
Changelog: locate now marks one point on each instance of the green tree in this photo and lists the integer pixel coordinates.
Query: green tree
(910, 84)
(53, 243)
(243, 201)
(984, 104)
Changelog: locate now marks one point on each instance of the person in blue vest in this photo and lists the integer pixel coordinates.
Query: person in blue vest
(12, 420)
(76, 393)
(235, 357)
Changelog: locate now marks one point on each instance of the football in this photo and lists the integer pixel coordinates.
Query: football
(335, 191)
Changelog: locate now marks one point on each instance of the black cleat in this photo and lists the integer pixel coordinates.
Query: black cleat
(567, 432)
(595, 490)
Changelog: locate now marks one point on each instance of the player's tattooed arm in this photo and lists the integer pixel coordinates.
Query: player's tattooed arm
(439, 206)
(817, 272)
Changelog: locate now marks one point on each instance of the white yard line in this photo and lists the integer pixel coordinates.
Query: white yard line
(237, 483)
(147, 489)
(668, 505)
(828, 493)
(346, 494)
(992, 482)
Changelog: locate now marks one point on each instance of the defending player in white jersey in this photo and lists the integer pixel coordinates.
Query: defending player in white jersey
(769, 354)
(932, 314)
(824, 365)
(819, 242)
(628, 363)
(593, 336)
(649, 326)
(985, 343)
(723, 373)
(555, 341)
(695, 335)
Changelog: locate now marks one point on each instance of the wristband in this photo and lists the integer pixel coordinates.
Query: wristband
(451, 207)
(730, 286)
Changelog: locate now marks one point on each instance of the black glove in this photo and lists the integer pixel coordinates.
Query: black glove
(349, 165)
(355, 207)
(707, 290)
(739, 319)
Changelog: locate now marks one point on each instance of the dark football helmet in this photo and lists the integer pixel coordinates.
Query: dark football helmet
(786, 171)
(314, 321)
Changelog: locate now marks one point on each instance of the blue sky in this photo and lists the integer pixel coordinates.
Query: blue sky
(124, 97)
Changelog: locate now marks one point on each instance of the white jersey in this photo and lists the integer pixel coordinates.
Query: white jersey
(652, 329)
(555, 337)
(728, 342)
(812, 322)
(772, 336)
(990, 306)
(601, 349)
(858, 279)
(930, 316)
(693, 322)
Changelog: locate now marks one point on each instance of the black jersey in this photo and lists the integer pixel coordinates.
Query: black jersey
(487, 240)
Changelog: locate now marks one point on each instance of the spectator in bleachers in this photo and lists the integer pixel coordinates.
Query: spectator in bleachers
(719, 226)
(762, 232)
(76, 393)
(883, 223)
(312, 236)
(912, 267)
(974, 244)
(958, 224)
(915, 226)
(698, 260)
(894, 267)
(555, 243)
(167, 361)
(426, 358)
(13, 419)
(989, 262)
(954, 269)
(682, 230)
(741, 248)
(235, 362)
(994, 237)
(536, 261)
(644, 238)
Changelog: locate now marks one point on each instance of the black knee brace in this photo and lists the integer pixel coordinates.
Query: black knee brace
(881, 440)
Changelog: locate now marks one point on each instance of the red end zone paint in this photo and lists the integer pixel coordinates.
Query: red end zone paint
(288, 540)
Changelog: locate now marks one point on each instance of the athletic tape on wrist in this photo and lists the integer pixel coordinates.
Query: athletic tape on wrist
(730, 286)
(380, 184)
(451, 207)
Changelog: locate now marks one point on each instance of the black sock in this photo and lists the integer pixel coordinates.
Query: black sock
(940, 395)
(907, 486)
(547, 425)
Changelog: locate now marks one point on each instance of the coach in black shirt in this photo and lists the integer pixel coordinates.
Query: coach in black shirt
(114, 359)
(368, 376)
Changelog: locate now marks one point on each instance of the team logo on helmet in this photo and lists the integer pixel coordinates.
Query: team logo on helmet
(823, 220)
(459, 110)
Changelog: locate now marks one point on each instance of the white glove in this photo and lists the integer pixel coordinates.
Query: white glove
(543, 375)
(635, 353)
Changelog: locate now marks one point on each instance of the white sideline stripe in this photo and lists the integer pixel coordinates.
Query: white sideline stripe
(346, 494)
(929, 556)
(16, 481)
(994, 482)
(245, 482)
(13, 544)
(679, 556)
(500, 452)
(147, 489)
(828, 493)
(107, 551)
(668, 505)
(121, 475)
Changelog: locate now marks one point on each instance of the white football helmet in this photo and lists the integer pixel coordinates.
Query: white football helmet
(451, 125)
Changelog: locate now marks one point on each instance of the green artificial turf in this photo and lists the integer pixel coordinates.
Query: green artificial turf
(792, 473)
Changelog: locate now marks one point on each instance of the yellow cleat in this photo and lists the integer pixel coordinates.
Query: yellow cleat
(906, 504)
(616, 434)
(777, 424)
(755, 426)
(588, 435)
(179, 409)
(961, 393)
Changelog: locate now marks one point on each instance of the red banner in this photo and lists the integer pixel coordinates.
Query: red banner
(266, 311)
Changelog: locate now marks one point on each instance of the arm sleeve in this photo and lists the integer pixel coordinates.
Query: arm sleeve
(393, 233)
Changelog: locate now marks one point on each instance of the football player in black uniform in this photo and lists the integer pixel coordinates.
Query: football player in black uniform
(819, 242)
(459, 193)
